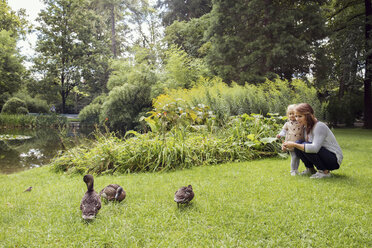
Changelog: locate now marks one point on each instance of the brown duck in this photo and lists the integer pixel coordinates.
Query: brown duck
(184, 195)
(91, 202)
(113, 192)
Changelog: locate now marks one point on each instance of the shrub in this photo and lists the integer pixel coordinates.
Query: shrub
(225, 101)
(36, 105)
(12, 105)
(124, 104)
(90, 114)
(346, 109)
(22, 111)
(245, 137)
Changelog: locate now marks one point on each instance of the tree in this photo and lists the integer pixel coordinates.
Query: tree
(368, 65)
(12, 72)
(189, 35)
(183, 10)
(350, 43)
(11, 68)
(259, 39)
(112, 13)
(70, 40)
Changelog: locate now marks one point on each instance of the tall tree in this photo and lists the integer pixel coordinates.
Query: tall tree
(68, 43)
(368, 65)
(251, 40)
(183, 10)
(350, 40)
(112, 13)
(12, 71)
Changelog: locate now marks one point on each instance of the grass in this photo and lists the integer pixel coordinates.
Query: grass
(250, 204)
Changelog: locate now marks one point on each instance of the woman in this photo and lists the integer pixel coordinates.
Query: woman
(320, 147)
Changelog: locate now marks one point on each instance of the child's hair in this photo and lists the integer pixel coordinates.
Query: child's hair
(291, 107)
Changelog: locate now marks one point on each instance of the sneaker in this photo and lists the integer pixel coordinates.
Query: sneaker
(321, 174)
(294, 173)
(308, 172)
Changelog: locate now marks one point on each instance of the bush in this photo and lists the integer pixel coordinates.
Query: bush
(12, 106)
(36, 105)
(3, 98)
(123, 105)
(225, 101)
(245, 137)
(22, 111)
(90, 114)
(345, 110)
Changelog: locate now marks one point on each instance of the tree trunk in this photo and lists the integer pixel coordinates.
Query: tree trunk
(368, 66)
(113, 32)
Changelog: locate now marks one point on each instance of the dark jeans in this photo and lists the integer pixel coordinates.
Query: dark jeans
(323, 160)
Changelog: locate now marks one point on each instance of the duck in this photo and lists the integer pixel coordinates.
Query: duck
(91, 202)
(28, 189)
(113, 192)
(184, 195)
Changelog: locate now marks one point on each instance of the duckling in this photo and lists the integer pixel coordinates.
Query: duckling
(184, 195)
(113, 192)
(91, 202)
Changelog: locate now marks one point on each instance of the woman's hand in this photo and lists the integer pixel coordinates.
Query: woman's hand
(289, 144)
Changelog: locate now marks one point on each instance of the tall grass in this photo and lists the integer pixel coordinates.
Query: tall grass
(13, 121)
(243, 138)
(249, 204)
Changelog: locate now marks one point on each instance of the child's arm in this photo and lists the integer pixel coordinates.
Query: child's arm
(283, 132)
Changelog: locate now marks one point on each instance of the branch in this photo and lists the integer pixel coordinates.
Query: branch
(349, 4)
(347, 22)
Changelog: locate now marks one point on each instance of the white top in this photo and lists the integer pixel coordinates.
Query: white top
(322, 136)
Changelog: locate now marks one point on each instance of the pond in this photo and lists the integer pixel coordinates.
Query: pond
(23, 149)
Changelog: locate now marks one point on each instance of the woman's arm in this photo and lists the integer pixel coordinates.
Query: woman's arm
(320, 131)
(291, 144)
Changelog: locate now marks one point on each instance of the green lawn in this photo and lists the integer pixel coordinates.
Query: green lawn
(251, 204)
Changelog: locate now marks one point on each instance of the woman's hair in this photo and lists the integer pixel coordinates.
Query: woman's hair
(307, 110)
(291, 107)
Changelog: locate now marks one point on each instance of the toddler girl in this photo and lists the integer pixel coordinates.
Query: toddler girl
(292, 131)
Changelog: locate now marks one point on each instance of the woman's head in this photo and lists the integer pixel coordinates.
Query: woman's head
(291, 112)
(305, 116)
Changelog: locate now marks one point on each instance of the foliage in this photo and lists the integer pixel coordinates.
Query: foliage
(251, 42)
(14, 106)
(182, 146)
(11, 121)
(34, 104)
(90, 114)
(52, 120)
(180, 71)
(11, 68)
(344, 110)
(121, 110)
(31, 121)
(179, 10)
(225, 101)
(70, 47)
(189, 36)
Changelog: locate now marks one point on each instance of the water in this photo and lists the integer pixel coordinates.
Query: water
(23, 149)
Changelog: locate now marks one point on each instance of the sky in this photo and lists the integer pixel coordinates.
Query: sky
(32, 7)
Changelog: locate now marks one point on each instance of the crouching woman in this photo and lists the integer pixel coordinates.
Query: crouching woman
(320, 148)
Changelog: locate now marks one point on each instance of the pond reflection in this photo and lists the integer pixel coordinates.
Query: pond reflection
(22, 154)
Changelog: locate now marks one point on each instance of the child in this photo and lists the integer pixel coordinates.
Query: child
(292, 131)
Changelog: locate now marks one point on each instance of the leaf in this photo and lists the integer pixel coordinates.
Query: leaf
(268, 140)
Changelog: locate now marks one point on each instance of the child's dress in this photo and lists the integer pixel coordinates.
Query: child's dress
(293, 131)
